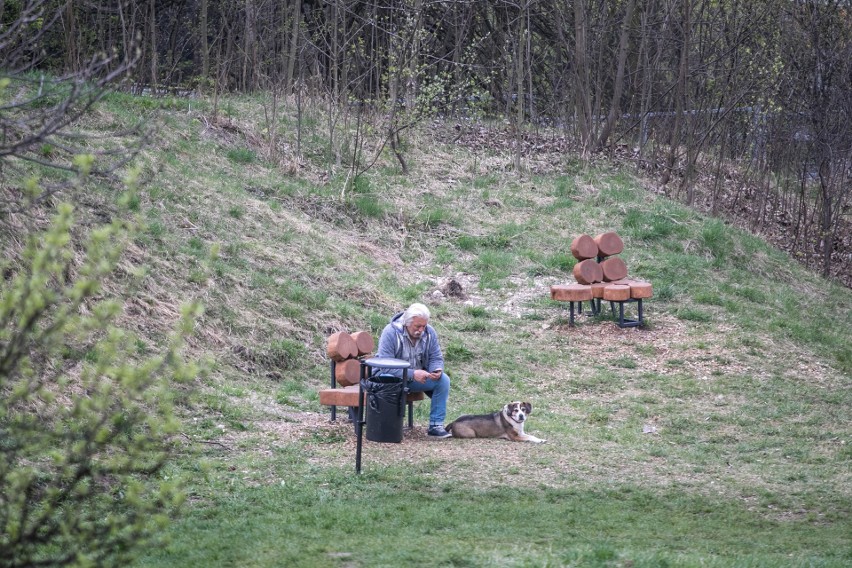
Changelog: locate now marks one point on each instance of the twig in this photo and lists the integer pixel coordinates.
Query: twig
(211, 443)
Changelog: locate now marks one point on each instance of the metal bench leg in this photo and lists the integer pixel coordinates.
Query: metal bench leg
(359, 422)
(595, 306)
(333, 408)
(628, 322)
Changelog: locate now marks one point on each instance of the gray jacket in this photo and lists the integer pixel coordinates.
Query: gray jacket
(390, 345)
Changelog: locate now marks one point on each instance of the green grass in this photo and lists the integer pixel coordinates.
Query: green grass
(242, 155)
(386, 519)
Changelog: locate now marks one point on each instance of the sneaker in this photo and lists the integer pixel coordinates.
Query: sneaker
(437, 432)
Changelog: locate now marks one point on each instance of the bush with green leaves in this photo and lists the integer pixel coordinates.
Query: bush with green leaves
(85, 421)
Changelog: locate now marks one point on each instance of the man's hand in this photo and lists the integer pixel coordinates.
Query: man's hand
(420, 375)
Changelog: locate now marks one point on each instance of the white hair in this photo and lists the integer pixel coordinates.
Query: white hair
(415, 311)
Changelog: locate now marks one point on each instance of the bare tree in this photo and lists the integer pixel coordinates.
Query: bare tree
(698, 86)
(204, 47)
(819, 99)
(618, 84)
(38, 113)
(295, 35)
(583, 89)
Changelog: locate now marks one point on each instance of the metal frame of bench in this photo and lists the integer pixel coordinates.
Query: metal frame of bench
(619, 318)
(627, 322)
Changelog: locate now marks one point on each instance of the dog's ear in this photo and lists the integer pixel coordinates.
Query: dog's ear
(527, 407)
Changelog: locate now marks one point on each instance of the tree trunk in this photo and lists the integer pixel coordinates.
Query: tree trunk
(582, 93)
(72, 60)
(250, 47)
(152, 22)
(294, 44)
(618, 87)
(529, 63)
(519, 102)
(826, 229)
(203, 45)
(680, 96)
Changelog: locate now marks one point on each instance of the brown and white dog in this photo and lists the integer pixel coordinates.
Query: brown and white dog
(507, 424)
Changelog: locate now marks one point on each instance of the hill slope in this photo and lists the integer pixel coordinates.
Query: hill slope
(737, 390)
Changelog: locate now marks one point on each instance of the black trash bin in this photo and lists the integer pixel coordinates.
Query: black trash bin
(385, 408)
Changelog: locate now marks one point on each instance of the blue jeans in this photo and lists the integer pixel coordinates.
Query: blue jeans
(439, 391)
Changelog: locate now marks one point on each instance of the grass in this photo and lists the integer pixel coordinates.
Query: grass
(617, 525)
(742, 372)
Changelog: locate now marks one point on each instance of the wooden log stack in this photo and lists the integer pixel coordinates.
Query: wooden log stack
(347, 350)
(600, 273)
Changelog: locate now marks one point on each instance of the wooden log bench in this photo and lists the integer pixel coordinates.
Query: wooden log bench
(626, 292)
(348, 396)
(573, 294)
(601, 276)
(345, 353)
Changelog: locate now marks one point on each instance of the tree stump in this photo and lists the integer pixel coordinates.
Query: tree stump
(364, 342)
(640, 290)
(609, 244)
(341, 346)
(613, 269)
(588, 271)
(616, 293)
(571, 292)
(347, 372)
(584, 247)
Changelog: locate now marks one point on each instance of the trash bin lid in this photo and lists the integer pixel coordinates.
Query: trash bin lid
(386, 363)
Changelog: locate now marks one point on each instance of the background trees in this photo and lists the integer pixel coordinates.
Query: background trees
(692, 89)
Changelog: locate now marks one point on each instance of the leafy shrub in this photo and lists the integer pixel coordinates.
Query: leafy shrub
(84, 423)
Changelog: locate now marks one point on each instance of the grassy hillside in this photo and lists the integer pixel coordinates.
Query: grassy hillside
(718, 435)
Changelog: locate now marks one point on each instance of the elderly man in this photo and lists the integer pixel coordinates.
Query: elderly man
(409, 337)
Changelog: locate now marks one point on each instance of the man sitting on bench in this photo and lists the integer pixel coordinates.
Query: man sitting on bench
(409, 337)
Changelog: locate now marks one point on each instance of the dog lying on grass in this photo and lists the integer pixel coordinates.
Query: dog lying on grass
(507, 423)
